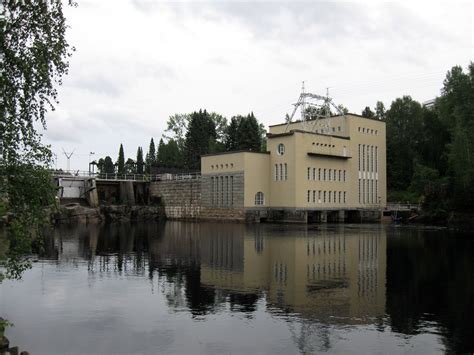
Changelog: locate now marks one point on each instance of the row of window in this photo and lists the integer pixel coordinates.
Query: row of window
(368, 131)
(281, 172)
(227, 165)
(368, 158)
(324, 145)
(326, 196)
(326, 174)
(368, 191)
(222, 191)
(327, 130)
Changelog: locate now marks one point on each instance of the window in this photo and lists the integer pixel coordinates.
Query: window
(314, 196)
(344, 175)
(281, 149)
(324, 197)
(339, 196)
(281, 171)
(319, 174)
(286, 171)
(259, 199)
(309, 192)
(231, 190)
(314, 173)
(344, 197)
(329, 196)
(324, 175)
(212, 166)
(329, 175)
(340, 175)
(276, 172)
(319, 196)
(309, 173)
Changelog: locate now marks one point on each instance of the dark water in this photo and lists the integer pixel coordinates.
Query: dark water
(184, 288)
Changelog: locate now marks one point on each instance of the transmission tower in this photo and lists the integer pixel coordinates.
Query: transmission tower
(312, 107)
(68, 156)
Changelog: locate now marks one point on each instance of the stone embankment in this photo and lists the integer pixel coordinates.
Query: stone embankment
(77, 214)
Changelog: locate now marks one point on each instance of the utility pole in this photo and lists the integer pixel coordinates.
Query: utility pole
(68, 156)
(90, 154)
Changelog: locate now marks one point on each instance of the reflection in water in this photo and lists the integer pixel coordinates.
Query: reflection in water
(323, 285)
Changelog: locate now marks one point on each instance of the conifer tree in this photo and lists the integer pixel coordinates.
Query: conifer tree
(150, 159)
(139, 163)
(121, 161)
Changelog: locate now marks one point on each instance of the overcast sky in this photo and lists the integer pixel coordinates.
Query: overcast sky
(139, 61)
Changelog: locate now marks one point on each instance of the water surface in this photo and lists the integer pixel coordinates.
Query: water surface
(189, 288)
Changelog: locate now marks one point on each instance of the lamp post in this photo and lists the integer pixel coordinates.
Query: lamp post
(90, 154)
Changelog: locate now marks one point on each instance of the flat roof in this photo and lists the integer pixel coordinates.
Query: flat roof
(233, 152)
(348, 114)
(293, 131)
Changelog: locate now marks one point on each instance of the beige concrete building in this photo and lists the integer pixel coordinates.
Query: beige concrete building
(327, 169)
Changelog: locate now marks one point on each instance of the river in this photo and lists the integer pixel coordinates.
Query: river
(215, 288)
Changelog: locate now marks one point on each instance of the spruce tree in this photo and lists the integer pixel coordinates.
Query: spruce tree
(201, 133)
(139, 163)
(121, 161)
(150, 156)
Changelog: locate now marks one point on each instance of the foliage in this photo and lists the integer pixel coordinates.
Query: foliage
(176, 128)
(139, 163)
(367, 112)
(404, 127)
(34, 59)
(121, 161)
(130, 167)
(169, 154)
(201, 132)
(430, 150)
(380, 113)
(150, 159)
(245, 133)
(106, 165)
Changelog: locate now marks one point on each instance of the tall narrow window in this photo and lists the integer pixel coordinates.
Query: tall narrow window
(222, 191)
(324, 175)
(329, 196)
(324, 197)
(339, 196)
(231, 190)
(319, 174)
(281, 171)
(376, 159)
(309, 173)
(217, 191)
(309, 192)
(360, 191)
(276, 172)
(319, 196)
(227, 191)
(286, 171)
(314, 173)
(314, 196)
(329, 174)
(360, 158)
(345, 197)
(344, 176)
(212, 190)
(363, 157)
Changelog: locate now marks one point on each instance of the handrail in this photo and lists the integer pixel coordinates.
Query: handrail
(127, 176)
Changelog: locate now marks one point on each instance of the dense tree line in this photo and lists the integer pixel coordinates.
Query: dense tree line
(430, 149)
(187, 138)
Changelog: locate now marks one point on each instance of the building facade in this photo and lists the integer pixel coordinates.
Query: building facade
(329, 168)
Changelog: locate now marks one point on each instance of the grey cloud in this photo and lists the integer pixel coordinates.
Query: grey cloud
(97, 84)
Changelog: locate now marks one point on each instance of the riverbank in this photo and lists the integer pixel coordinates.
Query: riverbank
(75, 213)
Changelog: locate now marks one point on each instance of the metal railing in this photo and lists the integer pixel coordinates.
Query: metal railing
(128, 177)
(402, 206)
